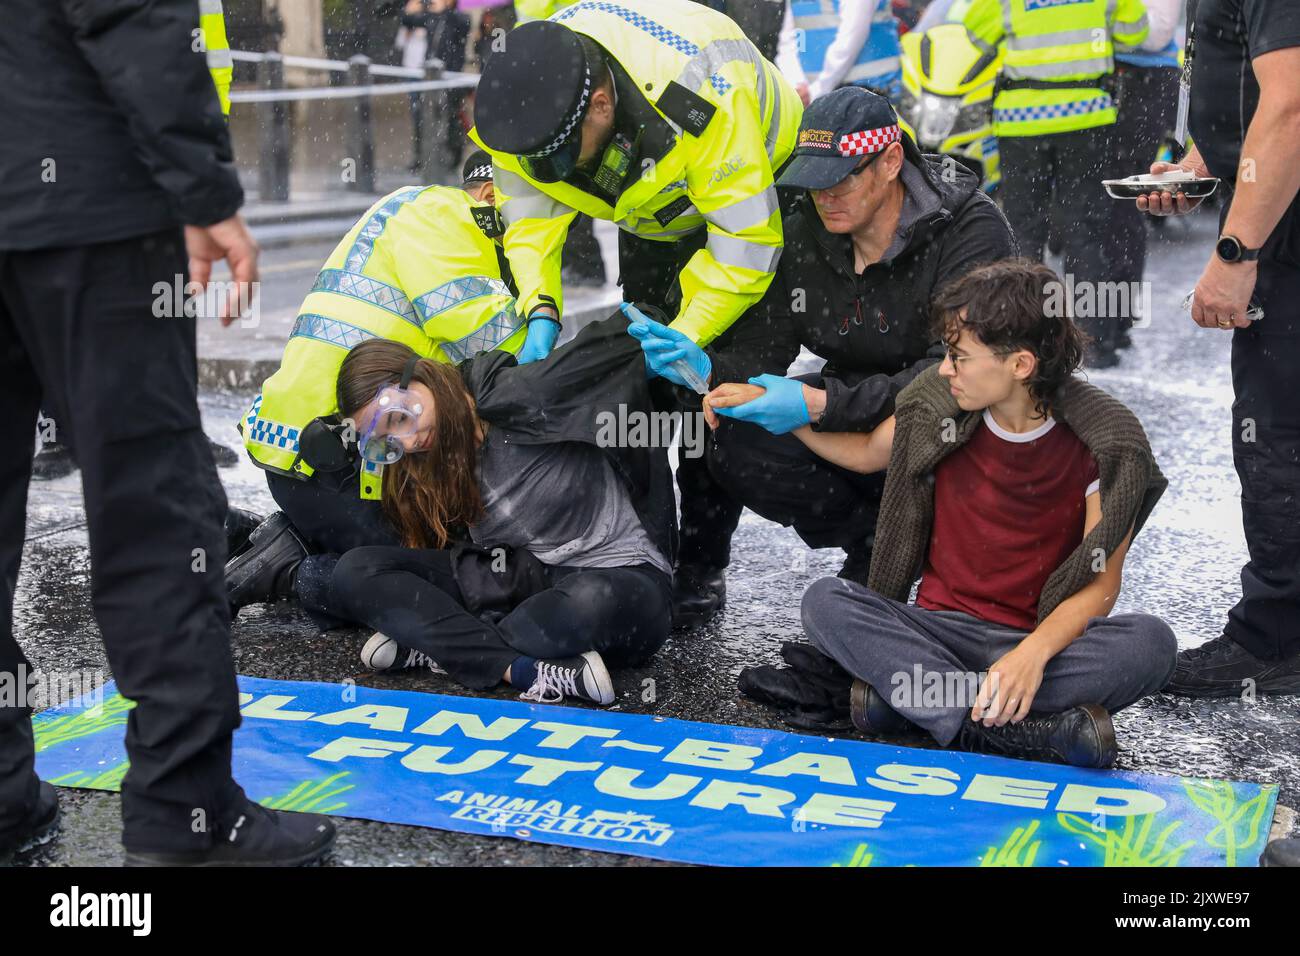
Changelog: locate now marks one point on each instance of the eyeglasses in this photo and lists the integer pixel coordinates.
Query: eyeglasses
(850, 181)
(956, 360)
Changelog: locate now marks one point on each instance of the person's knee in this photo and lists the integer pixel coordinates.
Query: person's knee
(825, 607)
(354, 570)
(1144, 648)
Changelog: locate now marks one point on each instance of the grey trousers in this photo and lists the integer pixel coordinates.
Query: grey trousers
(929, 664)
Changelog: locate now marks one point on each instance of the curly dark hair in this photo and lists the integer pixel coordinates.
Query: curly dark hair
(1010, 305)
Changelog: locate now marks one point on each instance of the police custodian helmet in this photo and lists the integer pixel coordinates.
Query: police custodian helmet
(532, 98)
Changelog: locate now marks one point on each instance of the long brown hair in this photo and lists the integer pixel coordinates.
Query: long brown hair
(427, 496)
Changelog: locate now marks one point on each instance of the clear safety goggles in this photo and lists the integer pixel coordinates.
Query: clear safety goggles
(397, 417)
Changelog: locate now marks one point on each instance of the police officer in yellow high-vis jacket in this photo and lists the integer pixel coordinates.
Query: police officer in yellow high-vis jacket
(664, 118)
(1054, 117)
(423, 267)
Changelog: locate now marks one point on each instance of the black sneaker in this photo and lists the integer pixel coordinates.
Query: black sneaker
(382, 653)
(256, 836)
(1081, 737)
(240, 525)
(583, 677)
(264, 571)
(54, 461)
(1282, 853)
(1223, 668)
(698, 594)
(38, 829)
(872, 714)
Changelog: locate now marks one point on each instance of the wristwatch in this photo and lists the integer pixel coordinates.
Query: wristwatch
(1230, 249)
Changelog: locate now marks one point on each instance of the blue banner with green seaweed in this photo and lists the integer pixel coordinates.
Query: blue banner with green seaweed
(680, 790)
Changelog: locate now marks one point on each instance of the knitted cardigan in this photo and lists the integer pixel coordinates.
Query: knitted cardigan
(930, 426)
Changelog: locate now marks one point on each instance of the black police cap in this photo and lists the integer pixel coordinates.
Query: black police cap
(533, 94)
(477, 168)
(838, 132)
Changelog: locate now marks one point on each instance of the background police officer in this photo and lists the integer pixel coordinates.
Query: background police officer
(1054, 116)
(665, 119)
(96, 183)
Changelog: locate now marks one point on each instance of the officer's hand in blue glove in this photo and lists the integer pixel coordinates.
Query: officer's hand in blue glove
(539, 341)
(780, 409)
(663, 346)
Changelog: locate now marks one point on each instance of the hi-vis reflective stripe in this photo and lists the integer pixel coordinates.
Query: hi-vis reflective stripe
(743, 254)
(453, 293)
(656, 30)
(1043, 41)
(718, 54)
(526, 200)
(1062, 69)
(1025, 114)
(357, 286)
(875, 68)
(333, 331)
(364, 245)
(220, 59)
(747, 212)
(499, 328)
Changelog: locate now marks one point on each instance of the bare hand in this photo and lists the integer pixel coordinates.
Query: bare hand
(1161, 203)
(1009, 687)
(1223, 293)
(229, 240)
(802, 90)
(728, 395)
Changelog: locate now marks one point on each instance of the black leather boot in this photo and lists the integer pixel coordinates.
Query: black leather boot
(264, 572)
(240, 525)
(54, 461)
(255, 836)
(698, 593)
(39, 827)
(872, 714)
(1081, 736)
(1223, 668)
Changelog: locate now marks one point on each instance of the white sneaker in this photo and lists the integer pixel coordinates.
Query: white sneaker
(583, 677)
(382, 653)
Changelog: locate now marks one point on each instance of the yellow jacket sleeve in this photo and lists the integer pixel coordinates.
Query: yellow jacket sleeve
(536, 227)
(729, 181)
(983, 22)
(1129, 26)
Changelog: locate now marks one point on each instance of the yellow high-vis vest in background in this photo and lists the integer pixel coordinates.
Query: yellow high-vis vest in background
(719, 178)
(212, 24)
(418, 268)
(526, 10)
(1060, 55)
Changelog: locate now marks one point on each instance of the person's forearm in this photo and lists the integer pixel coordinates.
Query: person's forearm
(1269, 176)
(857, 451)
(1070, 618)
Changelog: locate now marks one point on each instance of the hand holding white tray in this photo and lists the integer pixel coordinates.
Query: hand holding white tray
(1172, 181)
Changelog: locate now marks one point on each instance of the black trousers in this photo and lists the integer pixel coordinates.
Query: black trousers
(78, 337)
(411, 595)
(1060, 174)
(778, 477)
(332, 518)
(1148, 111)
(1266, 451)
(648, 272)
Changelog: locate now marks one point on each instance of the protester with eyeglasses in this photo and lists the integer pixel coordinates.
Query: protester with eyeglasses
(1014, 491)
(877, 228)
(533, 549)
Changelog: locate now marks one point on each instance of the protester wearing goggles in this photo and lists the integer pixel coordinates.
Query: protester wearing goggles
(531, 551)
(877, 229)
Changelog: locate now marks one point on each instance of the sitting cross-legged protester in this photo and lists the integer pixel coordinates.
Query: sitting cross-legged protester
(1014, 489)
(536, 549)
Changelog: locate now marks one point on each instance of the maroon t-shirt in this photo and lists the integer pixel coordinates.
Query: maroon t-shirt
(1008, 510)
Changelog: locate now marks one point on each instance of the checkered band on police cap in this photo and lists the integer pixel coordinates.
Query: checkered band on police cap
(867, 141)
(574, 119)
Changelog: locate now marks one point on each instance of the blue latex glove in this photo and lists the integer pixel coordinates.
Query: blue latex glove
(663, 346)
(539, 341)
(780, 409)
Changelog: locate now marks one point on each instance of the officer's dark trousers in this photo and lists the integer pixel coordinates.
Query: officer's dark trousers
(332, 517)
(78, 336)
(648, 273)
(1148, 111)
(1266, 450)
(1059, 175)
(778, 477)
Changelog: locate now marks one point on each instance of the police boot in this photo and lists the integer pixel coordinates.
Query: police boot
(698, 593)
(36, 829)
(255, 836)
(265, 571)
(1081, 736)
(54, 461)
(240, 525)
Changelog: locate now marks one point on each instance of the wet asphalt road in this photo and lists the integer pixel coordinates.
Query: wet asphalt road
(1184, 567)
